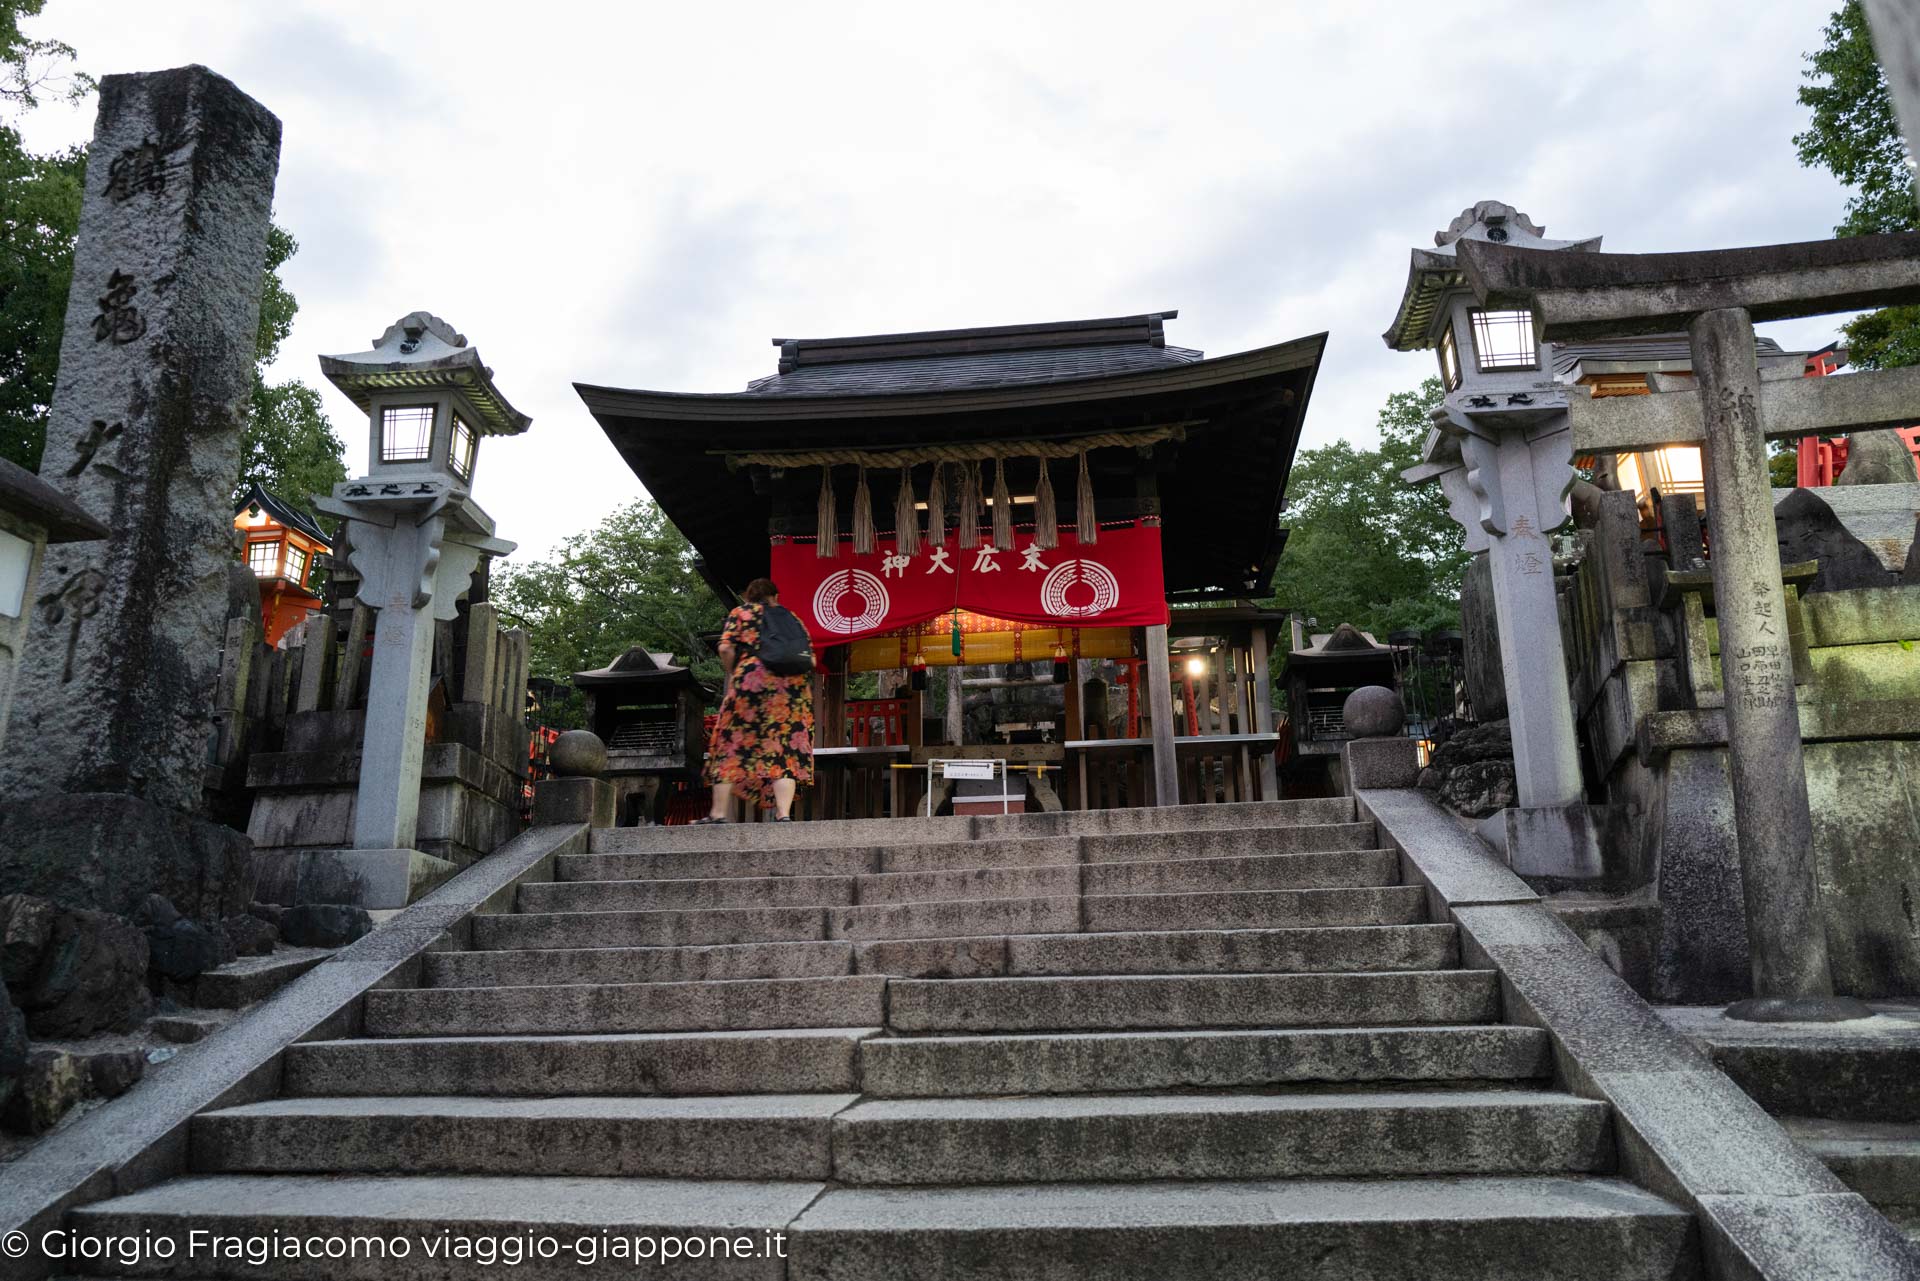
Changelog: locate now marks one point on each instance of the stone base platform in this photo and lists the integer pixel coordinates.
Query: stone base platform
(366, 878)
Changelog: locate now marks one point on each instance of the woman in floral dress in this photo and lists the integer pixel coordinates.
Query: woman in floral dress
(762, 744)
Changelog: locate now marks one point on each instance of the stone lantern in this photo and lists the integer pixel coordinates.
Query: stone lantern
(32, 514)
(415, 536)
(1502, 450)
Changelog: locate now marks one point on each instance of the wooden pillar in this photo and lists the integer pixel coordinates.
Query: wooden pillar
(1166, 776)
(1263, 710)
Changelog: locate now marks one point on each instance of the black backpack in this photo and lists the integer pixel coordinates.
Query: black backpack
(785, 647)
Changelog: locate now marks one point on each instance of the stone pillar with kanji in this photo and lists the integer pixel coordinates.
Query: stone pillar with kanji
(101, 777)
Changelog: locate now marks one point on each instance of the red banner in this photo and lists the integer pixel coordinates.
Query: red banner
(1117, 582)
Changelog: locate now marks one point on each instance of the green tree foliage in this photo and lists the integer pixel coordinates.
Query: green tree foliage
(1363, 547)
(631, 581)
(1853, 135)
(289, 447)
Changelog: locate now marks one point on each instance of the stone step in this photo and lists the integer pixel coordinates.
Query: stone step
(1878, 1159)
(1310, 950)
(854, 860)
(244, 980)
(748, 1136)
(1109, 1062)
(793, 1061)
(968, 883)
(1175, 819)
(1344, 869)
(684, 894)
(1115, 1137)
(956, 919)
(1420, 998)
(852, 1001)
(1438, 1229)
(1227, 842)
(1251, 910)
(640, 964)
(649, 929)
(433, 1212)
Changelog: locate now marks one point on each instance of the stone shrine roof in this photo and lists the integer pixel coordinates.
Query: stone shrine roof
(421, 352)
(1435, 273)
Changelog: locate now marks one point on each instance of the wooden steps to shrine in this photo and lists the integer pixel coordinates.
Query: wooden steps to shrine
(1222, 1042)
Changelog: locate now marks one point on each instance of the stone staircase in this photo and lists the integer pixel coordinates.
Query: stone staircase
(1216, 1042)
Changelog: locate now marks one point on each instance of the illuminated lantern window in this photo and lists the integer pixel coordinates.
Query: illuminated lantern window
(406, 433)
(464, 444)
(263, 558)
(1504, 340)
(1449, 359)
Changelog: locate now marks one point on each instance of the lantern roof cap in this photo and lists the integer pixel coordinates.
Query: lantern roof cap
(421, 352)
(1435, 273)
(287, 514)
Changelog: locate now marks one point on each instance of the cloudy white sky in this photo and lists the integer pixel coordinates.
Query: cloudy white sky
(643, 194)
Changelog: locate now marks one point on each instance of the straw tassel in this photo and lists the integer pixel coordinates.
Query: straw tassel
(826, 519)
(969, 506)
(906, 522)
(937, 506)
(862, 517)
(1046, 514)
(1002, 507)
(1086, 525)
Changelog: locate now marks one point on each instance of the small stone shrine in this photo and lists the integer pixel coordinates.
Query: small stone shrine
(115, 690)
(648, 712)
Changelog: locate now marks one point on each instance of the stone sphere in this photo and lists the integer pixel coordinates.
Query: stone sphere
(578, 753)
(1374, 711)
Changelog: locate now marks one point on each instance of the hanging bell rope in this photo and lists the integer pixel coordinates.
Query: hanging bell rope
(937, 506)
(1086, 522)
(906, 522)
(826, 519)
(971, 451)
(1002, 507)
(969, 506)
(1046, 514)
(862, 517)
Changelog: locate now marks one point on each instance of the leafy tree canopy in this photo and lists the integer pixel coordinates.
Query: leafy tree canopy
(289, 447)
(1364, 547)
(1854, 136)
(631, 581)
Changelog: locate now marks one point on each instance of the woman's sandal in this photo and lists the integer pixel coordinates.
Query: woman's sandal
(702, 822)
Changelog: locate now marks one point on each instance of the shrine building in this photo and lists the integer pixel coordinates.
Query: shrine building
(1078, 504)
(281, 544)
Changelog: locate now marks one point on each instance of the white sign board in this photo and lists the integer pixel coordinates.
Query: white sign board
(967, 769)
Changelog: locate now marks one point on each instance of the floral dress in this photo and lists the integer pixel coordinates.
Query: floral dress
(765, 729)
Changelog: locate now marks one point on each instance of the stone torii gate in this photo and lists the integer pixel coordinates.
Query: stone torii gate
(1715, 297)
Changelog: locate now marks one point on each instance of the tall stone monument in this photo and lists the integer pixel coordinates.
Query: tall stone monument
(1501, 451)
(114, 700)
(416, 536)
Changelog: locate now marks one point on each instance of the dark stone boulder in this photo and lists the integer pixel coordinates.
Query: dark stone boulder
(178, 948)
(91, 976)
(13, 1046)
(1472, 772)
(111, 1073)
(1877, 458)
(1809, 530)
(107, 851)
(53, 1081)
(26, 926)
(268, 912)
(251, 935)
(324, 924)
(1910, 576)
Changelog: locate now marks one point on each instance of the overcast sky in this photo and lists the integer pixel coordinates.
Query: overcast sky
(643, 194)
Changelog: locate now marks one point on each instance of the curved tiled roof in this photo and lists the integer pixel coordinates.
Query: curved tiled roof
(972, 369)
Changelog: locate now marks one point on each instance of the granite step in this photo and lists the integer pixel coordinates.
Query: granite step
(1541, 1228)
(686, 894)
(1415, 998)
(1878, 1159)
(427, 1211)
(747, 1136)
(244, 980)
(1173, 819)
(649, 929)
(850, 1001)
(1227, 842)
(1252, 909)
(1111, 1062)
(1307, 950)
(1326, 869)
(857, 860)
(700, 963)
(1117, 1137)
(788, 1061)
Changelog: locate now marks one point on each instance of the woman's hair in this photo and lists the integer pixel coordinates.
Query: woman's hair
(760, 591)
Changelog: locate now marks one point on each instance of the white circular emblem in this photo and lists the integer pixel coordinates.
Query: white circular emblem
(1079, 589)
(856, 589)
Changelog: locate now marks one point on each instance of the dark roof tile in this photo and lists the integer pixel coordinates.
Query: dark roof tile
(980, 369)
